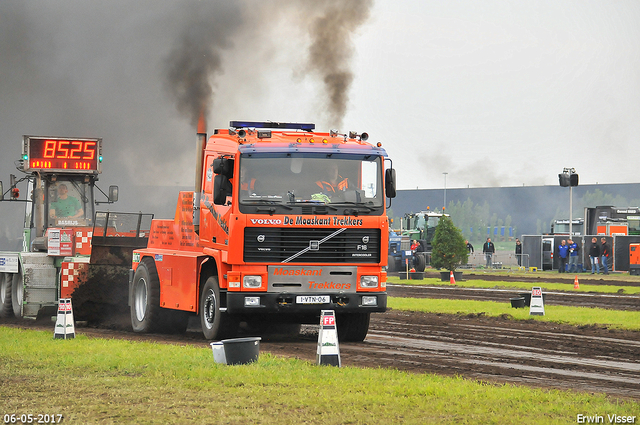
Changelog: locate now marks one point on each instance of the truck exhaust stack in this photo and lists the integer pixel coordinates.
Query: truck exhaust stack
(201, 140)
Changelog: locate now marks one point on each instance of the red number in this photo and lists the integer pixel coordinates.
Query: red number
(74, 154)
(63, 149)
(49, 148)
(89, 150)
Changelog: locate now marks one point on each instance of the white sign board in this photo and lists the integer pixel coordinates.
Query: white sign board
(537, 302)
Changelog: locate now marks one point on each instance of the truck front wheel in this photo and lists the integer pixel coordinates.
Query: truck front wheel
(352, 327)
(6, 309)
(145, 297)
(215, 323)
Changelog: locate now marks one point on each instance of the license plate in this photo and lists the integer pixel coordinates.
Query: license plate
(313, 299)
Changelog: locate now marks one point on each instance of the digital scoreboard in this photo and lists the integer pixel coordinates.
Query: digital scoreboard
(64, 155)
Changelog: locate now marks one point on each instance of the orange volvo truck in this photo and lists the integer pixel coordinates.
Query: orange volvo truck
(284, 222)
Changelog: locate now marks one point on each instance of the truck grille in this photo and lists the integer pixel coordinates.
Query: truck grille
(285, 245)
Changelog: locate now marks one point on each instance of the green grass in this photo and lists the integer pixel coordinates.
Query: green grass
(115, 381)
(615, 319)
(546, 286)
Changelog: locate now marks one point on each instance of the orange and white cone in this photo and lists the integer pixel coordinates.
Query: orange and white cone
(576, 284)
(452, 279)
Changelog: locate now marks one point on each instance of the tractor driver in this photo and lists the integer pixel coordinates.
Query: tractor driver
(65, 206)
(333, 182)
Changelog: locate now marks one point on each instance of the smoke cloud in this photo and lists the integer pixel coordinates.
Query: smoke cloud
(332, 49)
(196, 59)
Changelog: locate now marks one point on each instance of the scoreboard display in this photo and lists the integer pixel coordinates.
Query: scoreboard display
(65, 155)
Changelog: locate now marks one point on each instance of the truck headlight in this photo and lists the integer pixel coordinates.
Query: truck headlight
(252, 301)
(252, 281)
(369, 300)
(368, 281)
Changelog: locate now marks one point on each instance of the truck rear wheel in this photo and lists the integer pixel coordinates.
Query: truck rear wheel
(215, 323)
(6, 308)
(145, 297)
(17, 293)
(352, 327)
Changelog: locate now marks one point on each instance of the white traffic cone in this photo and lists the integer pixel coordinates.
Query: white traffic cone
(328, 350)
(65, 328)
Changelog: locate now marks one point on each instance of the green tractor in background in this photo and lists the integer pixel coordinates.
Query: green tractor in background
(421, 227)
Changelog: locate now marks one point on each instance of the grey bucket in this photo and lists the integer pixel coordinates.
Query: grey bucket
(241, 350)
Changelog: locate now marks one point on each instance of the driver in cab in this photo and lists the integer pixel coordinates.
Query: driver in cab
(65, 205)
(333, 182)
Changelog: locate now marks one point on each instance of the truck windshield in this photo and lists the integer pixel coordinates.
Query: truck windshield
(302, 179)
(69, 202)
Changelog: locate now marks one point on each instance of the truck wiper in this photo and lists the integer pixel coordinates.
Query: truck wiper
(359, 207)
(312, 202)
(265, 202)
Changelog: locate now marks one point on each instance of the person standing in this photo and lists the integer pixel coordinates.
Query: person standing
(563, 256)
(594, 256)
(519, 251)
(488, 249)
(574, 249)
(606, 253)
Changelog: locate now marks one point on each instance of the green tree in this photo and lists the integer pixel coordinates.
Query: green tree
(448, 247)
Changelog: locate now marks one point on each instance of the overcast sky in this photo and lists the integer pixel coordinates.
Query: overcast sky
(494, 93)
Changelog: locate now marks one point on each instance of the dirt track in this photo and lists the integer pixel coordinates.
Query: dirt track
(593, 359)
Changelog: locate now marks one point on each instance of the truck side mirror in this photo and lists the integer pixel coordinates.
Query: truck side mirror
(113, 193)
(390, 182)
(221, 189)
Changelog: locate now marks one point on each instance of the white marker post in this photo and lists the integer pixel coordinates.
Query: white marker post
(65, 328)
(537, 302)
(328, 351)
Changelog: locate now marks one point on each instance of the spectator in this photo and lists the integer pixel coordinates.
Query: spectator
(594, 256)
(519, 251)
(574, 249)
(469, 247)
(488, 249)
(563, 256)
(605, 252)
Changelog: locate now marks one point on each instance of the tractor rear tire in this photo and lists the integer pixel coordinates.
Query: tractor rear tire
(6, 308)
(352, 327)
(391, 264)
(17, 293)
(215, 323)
(420, 261)
(145, 298)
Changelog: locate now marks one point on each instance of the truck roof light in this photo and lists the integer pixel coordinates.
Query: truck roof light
(278, 125)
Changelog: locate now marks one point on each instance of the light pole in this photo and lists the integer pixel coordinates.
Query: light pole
(444, 205)
(569, 178)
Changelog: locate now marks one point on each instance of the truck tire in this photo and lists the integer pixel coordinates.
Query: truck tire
(145, 297)
(352, 327)
(17, 293)
(420, 261)
(215, 323)
(6, 308)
